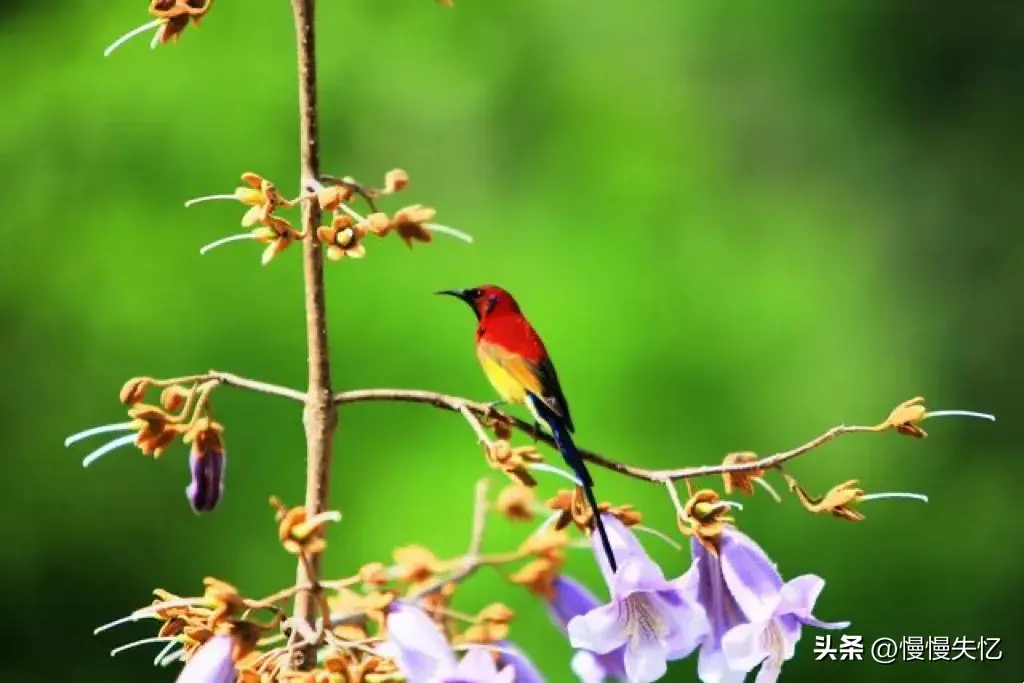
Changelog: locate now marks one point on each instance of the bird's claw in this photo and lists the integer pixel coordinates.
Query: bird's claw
(491, 408)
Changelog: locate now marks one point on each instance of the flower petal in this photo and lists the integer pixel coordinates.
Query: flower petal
(571, 599)
(712, 667)
(514, 658)
(769, 673)
(646, 661)
(743, 646)
(637, 573)
(587, 667)
(477, 663)
(687, 622)
(799, 596)
(750, 576)
(600, 630)
(624, 545)
(212, 663)
(416, 645)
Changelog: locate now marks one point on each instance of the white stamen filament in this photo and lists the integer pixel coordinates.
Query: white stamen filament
(224, 240)
(131, 34)
(117, 622)
(546, 524)
(172, 657)
(959, 413)
(92, 431)
(210, 198)
(768, 487)
(108, 448)
(728, 504)
(663, 536)
(153, 44)
(894, 494)
(351, 213)
(544, 467)
(165, 651)
(151, 611)
(446, 230)
(145, 641)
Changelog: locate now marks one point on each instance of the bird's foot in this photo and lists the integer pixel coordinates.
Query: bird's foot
(491, 408)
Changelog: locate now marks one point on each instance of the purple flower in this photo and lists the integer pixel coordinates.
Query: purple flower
(424, 656)
(207, 485)
(755, 618)
(647, 615)
(212, 663)
(571, 599)
(511, 656)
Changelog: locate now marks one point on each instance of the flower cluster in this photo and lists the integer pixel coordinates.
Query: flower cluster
(183, 413)
(344, 235)
(172, 17)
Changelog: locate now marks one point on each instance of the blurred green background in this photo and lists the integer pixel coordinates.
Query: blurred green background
(735, 226)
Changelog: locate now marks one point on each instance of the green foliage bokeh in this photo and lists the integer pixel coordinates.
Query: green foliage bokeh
(735, 226)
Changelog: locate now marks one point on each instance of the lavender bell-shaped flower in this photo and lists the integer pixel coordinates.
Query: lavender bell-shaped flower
(647, 615)
(212, 663)
(511, 656)
(422, 655)
(207, 485)
(755, 618)
(571, 599)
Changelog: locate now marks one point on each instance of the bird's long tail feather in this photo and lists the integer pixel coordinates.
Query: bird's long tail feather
(572, 458)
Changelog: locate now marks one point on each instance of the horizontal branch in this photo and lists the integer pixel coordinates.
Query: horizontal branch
(484, 410)
(458, 404)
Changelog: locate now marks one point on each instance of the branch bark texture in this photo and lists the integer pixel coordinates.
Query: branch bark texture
(320, 417)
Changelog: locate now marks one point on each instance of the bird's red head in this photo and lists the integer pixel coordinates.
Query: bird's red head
(486, 300)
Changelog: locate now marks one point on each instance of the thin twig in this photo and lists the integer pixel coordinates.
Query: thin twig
(483, 410)
(475, 412)
(232, 380)
(320, 417)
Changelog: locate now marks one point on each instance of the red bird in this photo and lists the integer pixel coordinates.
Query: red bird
(517, 364)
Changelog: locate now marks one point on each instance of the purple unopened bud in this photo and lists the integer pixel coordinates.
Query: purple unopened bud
(207, 485)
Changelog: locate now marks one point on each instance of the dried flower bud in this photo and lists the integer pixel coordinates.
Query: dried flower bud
(377, 223)
(538, 576)
(546, 544)
(395, 180)
(496, 612)
(333, 196)
(298, 532)
(906, 417)
(742, 481)
(705, 518)
(410, 224)
(840, 501)
(134, 390)
(516, 502)
(374, 574)
(174, 397)
(416, 563)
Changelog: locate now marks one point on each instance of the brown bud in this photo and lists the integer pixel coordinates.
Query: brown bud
(497, 613)
(416, 563)
(395, 180)
(907, 416)
(516, 502)
(742, 481)
(374, 574)
(173, 398)
(134, 390)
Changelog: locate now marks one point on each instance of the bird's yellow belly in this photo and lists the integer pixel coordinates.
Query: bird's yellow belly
(508, 387)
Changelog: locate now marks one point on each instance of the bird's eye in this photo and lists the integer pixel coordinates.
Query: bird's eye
(492, 301)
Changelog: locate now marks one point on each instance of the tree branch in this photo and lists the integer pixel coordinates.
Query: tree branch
(483, 410)
(320, 416)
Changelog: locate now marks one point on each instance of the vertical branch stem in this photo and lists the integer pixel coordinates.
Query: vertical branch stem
(320, 416)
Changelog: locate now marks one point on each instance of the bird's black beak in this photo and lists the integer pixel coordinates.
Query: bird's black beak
(457, 293)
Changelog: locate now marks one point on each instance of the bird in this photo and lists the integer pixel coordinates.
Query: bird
(519, 367)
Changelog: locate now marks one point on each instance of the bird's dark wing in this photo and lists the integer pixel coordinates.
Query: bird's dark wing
(553, 396)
